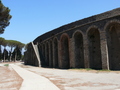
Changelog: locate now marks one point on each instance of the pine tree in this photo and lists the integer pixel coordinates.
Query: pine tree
(4, 17)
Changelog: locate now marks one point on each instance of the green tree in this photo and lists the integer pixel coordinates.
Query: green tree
(11, 44)
(2, 40)
(4, 17)
(17, 54)
(18, 49)
(4, 52)
(15, 45)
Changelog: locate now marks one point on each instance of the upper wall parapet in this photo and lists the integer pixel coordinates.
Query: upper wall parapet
(105, 15)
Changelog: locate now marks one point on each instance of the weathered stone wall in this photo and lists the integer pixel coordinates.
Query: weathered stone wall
(88, 43)
(30, 56)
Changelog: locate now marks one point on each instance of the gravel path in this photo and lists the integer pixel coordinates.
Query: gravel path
(9, 79)
(79, 79)
(32, 81)
(64, 79)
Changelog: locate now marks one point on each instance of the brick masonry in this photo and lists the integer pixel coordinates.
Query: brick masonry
(92, 42)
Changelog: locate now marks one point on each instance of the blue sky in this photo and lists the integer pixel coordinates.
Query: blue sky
(32, 18)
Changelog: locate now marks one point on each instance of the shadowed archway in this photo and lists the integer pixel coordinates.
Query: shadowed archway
(50, 54)
(55, 48)
(79, 53)
(113, 41)
(94, 49)
(65, 51)
(47, 54)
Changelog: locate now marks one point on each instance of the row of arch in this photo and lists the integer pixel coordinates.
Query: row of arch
(57, 53)
(47, 53)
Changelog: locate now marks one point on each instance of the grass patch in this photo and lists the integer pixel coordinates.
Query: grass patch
(6, 64)
(88, 69)
(82, 69)
(105, 70)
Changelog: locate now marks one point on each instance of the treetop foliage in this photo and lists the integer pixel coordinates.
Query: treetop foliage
(11, 43)
(4, 17)
(14, 43)
(14, 51)
(1, 40)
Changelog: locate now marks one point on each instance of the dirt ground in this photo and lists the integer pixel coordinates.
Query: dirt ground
(73, 79)
(9, 79)
(65, 79)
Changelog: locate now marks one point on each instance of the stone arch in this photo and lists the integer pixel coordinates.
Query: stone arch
(94, 48)
(50, 54)
(79, 31)
(55, 53)
(113, 42)
(78, 49)
(91, 27)
(65, 60)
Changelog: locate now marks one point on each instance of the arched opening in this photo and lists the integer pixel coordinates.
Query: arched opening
(94, 49)
(50, 55)
(79, 53)
(113, 42)
(47, 54)
(43, 55)
(65, 52)
(43, 51)
(55, 53)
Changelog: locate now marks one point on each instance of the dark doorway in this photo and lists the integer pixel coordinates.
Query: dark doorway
(113, 40)
(65, 52)
(50, 55)
(94, 49)
(79, 54)
(47, 54)
(55, 53)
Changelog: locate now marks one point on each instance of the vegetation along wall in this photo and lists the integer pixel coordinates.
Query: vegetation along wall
(93, 42)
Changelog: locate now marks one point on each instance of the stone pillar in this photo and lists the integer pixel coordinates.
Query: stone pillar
(86, 52)
(72, 53)
(104, 51)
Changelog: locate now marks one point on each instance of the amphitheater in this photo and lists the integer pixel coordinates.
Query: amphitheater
(92, 42)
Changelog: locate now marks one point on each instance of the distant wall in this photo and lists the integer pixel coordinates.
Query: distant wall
(30, 56)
